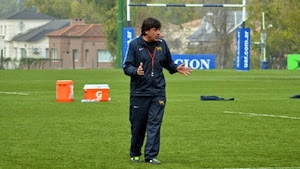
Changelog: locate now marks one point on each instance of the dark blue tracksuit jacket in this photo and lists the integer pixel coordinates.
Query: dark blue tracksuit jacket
(147, 93)
(148, 85)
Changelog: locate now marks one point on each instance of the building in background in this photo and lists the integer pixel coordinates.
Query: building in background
(80, 46)
(74, 44)
(210, 31)
(35, 41)
(19, 24)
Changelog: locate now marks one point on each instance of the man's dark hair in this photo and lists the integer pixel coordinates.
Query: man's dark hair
(149, 23)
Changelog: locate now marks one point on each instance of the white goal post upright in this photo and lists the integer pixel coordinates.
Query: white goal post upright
(187, 5)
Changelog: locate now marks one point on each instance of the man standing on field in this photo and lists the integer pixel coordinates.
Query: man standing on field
(144, 61)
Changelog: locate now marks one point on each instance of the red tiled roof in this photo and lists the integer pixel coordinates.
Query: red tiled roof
(77, 30)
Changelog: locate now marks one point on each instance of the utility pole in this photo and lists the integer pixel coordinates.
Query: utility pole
(263, 39)
(120, 34)
(263, 35)
(1, 59)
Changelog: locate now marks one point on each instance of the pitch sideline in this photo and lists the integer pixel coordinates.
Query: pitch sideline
(16, 93)
(264, 115)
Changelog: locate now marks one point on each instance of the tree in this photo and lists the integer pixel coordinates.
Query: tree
(283, 36)
(60, 9)
(86, 11)
(8, 6)
(108, 10)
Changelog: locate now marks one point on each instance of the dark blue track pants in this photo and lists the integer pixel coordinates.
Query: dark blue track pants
(146, 114)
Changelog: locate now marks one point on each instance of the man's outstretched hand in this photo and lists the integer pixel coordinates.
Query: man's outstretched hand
(140, 70)
(184, 70)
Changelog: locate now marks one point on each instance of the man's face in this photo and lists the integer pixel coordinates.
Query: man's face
(153, 34)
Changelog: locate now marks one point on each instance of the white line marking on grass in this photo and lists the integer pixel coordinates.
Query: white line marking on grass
(265, 115)
(267, 168)
(17, 93)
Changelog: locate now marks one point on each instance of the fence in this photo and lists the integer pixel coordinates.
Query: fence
(273, 63)
(31, 63)
(5, 63)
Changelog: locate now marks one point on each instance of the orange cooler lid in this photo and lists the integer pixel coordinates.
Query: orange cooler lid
(64, 82)
(96, 86)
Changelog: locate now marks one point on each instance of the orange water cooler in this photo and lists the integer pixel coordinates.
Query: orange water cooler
(64, 91)
(96, 92)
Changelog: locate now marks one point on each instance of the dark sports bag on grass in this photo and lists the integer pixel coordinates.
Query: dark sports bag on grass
(215, 98)
(295, 97)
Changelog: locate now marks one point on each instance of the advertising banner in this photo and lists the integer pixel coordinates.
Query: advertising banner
(128, 35)
(293, 61)
(196, 61)
(243, 49)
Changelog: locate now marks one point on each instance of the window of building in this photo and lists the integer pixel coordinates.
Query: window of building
(86, 55)
(104, 56)
(75, 55)
(4, 31)
(47, 53)
(15, 53)
(23, 53)
(54, 53)
(21, 26)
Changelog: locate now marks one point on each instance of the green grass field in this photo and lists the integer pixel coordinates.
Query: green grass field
(37, 132)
